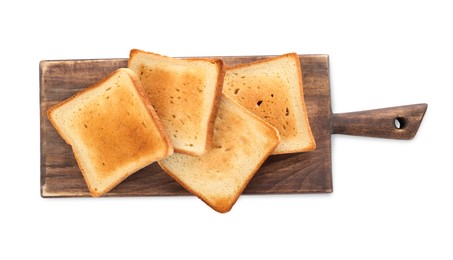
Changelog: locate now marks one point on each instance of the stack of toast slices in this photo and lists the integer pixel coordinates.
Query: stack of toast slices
(210, 127)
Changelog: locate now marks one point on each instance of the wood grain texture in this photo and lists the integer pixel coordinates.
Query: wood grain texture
(293, 173)
(394, 122)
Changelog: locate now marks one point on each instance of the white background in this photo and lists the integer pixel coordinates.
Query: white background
(392, 199)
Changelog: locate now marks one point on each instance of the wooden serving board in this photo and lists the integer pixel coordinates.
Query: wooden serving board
(309, 172)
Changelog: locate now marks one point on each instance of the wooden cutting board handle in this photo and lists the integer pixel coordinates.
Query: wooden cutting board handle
(394, 122)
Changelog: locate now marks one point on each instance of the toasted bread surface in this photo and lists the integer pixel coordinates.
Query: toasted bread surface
(241, 143)
(272, 89)
(112, 129)
(185, 94)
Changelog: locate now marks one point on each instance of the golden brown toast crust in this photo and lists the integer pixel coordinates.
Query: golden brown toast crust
(113, 135)
(151, 111)
(218, 96)
(220, 170)
(267, 96)
(161, 85)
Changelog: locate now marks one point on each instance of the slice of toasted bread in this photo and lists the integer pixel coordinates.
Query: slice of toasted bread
(241, 143)
(113, 130)
(185, 94)
(272, 89)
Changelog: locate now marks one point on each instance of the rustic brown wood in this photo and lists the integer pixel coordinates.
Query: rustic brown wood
(394, 122)
(295, 173)
(309, 172)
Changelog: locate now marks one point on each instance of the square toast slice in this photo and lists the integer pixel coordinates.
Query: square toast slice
(241, 143)
(185, 94)
(272, 89)
(113, 130)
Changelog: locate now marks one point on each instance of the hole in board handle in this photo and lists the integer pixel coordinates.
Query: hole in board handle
(399, 123)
